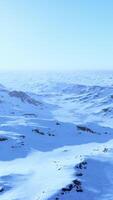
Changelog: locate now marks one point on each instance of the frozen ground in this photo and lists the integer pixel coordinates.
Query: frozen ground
(56, 139)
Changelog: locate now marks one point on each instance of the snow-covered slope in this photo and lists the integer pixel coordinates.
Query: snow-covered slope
(56, 144)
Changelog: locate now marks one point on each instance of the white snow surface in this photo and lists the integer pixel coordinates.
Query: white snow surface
(48, 130)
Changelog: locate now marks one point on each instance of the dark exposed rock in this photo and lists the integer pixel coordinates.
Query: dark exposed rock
(105, 150)
(68, 188)
(106, 109)
(57, 123)
(81, 165)
(105, 132)
(51, 134)
(79, 174)
(22, 136)
(65, 189)
(2, 139)
(79, 190)
(83, 128)
(1, 189)
(22, 143)
(38, 131)
(78, 185)
(77, 182)
(24, 97)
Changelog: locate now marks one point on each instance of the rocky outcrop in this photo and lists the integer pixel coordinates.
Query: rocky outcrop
(24, 97)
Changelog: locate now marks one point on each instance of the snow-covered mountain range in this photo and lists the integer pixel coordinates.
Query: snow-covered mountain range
(56, 144)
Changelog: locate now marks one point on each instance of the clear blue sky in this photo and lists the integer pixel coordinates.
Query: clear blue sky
(56, 34)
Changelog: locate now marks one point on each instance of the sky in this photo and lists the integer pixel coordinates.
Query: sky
(56, 34)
